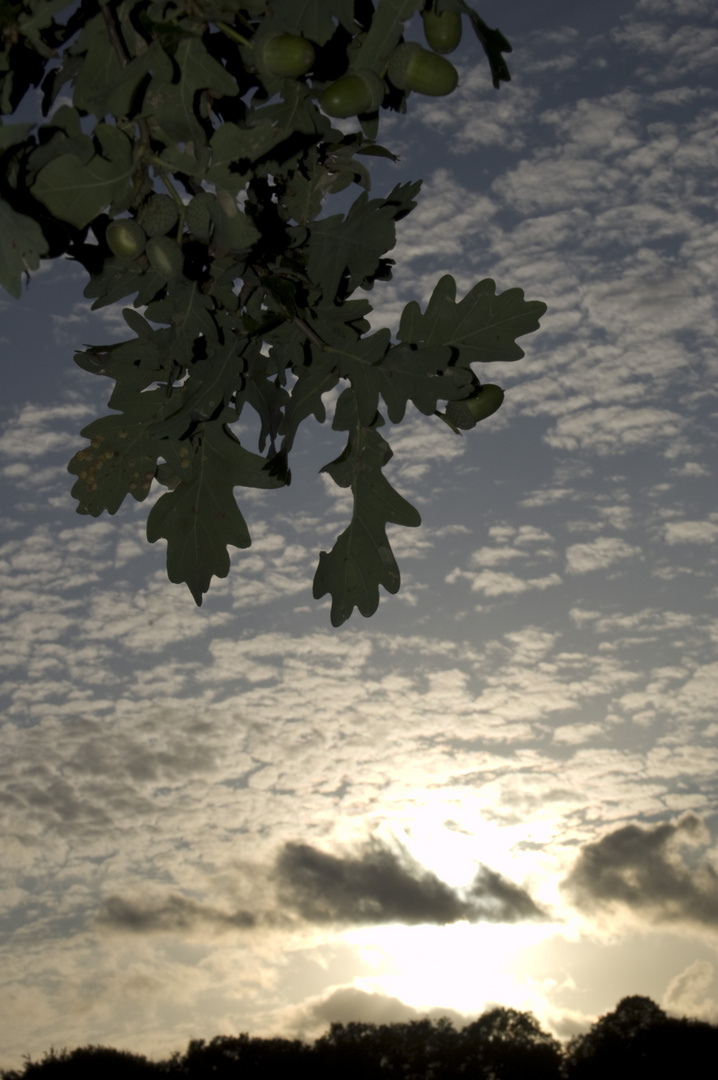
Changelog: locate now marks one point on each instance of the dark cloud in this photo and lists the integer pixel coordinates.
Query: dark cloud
(174, 914)
(350, 1005)
(383, 886)
(379, 885)
(496, 899)
(642, 869)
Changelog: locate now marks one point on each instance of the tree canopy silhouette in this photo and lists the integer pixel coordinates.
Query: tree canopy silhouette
(636, 1039)
(639, 1039)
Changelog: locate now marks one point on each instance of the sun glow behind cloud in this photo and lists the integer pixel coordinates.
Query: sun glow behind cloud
(448, 835)
(462, 966)
(185, 787)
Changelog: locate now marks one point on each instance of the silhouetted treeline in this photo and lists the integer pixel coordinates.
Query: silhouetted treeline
(636, 1039)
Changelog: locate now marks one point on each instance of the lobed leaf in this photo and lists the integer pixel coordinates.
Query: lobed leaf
(78, 191)
(482, 327)
(104, 85)
(419, 374)
(199, 519)
(312, 18)
(494, 44)
(354, 244)
(120, 460)
(22, 243)
(361, 559)
(171, 104)
(204, 396)
(385, 33)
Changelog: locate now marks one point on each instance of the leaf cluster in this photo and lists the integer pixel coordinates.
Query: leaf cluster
(247, 299)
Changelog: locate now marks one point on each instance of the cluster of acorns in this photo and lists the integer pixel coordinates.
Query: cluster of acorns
(128, 238)
(411, 67)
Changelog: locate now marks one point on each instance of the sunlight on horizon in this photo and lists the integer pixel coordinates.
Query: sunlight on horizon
(461, 966)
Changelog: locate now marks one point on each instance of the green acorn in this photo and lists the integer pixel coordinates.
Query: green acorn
(285, 56)
(353, 94)
(125, 238)
(197, 216)
(159, 215)
(442, 32)
(467, 412)
(165, 256)
(413, 68)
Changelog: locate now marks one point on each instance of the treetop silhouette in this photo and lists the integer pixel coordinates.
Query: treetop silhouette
(501, 1044)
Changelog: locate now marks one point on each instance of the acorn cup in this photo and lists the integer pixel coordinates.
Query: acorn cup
(158, 215)
(198, 217)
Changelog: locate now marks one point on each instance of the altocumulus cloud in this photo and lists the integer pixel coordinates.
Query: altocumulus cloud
(599, 554)
(641, 869)
(691, 532)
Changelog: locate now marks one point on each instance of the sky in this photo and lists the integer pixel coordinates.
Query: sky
(501, 788)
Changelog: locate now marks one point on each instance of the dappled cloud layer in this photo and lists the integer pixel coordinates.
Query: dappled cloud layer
(234, 818)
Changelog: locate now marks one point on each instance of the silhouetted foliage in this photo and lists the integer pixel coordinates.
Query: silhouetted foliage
(639, 1039)
(636, 1039)
(510, 1044)
(420, 1048)
(88, 1063)
(229, 1056)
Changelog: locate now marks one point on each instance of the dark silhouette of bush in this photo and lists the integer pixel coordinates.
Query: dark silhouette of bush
(351, 1051)
(639, 1039)
(403, 1050)
(88, 1063)
(242, 1056)
(503, 1043)
(510, 1045)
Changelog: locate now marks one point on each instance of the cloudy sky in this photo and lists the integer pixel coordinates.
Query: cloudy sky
(502, 787)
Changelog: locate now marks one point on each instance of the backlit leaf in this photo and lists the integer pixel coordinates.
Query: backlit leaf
(483, 327)
(361, 559)
(199, 519)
